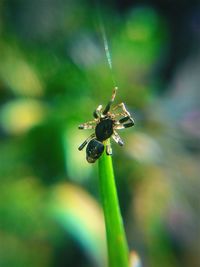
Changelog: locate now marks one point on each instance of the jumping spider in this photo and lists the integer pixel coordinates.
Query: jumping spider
(105, 125)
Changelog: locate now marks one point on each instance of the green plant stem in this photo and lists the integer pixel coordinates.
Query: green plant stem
(116, 239)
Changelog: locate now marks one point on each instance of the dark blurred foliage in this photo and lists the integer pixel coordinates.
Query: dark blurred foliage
(53, 74)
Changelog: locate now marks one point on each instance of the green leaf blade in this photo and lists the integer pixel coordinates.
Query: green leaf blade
(116, 239)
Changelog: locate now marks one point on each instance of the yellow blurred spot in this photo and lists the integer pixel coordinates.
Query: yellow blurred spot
(18, 116)
(135, 259)
(17, 74)
(73, 199)
(80, 215)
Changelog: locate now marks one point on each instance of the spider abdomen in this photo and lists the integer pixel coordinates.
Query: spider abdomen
(94, 150)
(104, 129)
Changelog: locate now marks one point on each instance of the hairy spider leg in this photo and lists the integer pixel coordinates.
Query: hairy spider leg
(118, 114)
(122, 106)
(87, 125)
(97, 112)
(117, 138)
(86, 141)
(107, 108)
(127, 117)
(108, 150)
(129, 122)
(119, 125)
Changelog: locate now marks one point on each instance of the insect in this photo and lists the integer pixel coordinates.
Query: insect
(105, 124)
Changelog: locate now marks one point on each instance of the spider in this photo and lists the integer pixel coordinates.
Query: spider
(105, 125)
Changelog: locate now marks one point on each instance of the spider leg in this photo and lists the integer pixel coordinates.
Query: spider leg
(127, 120)
(87, 125)
(123, 123)
(97, 112)
(127, 124)
(117, 138)
(124, 119)
(118, 114)
(122, 106)
(107, 108)
(108, 150)
(86, 141)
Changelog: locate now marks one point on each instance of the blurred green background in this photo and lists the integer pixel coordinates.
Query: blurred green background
(53, 74)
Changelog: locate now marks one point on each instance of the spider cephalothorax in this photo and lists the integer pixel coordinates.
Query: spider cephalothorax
(105, 124)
